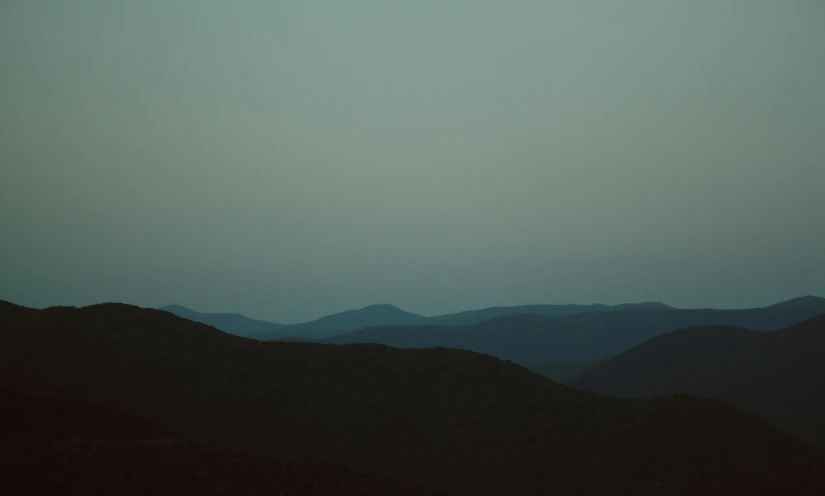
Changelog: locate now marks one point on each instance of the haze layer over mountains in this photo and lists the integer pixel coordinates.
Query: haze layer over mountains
(529, 335)
(377, 316)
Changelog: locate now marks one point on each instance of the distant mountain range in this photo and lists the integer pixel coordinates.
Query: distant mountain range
(330, 325)
(779, 376)
(448, 421)
(382, 315)
(536, 340)
(471, 317)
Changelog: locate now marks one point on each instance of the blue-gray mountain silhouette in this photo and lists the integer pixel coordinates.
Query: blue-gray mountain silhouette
(351, 320)
(470, 317)
(330, 325)
(381, 315)
(536, 340)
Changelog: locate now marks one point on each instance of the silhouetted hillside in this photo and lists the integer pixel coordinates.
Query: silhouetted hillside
(534, 340)
(233, 323)
(563, 372)
(779, 376)
(440, 419)
(471, 317)
(70, 446)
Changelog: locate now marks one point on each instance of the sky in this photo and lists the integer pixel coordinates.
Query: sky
(290, 159)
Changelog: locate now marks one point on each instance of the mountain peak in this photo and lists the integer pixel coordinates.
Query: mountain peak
(378, 315)
(382, 307)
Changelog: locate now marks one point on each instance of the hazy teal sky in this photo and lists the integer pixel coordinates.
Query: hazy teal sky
(287, 159)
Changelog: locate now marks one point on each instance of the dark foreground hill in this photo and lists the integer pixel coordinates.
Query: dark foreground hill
(68, 446)
(444, 420)
(563, 372)
(534, 340)
(779, 376)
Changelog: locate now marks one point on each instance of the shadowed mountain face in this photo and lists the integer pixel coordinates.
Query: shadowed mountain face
(535, 340)
(779, 376)
(34, 420)
(445, 420)
(69, 446)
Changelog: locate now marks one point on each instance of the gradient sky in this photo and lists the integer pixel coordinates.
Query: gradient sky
(288, 159)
